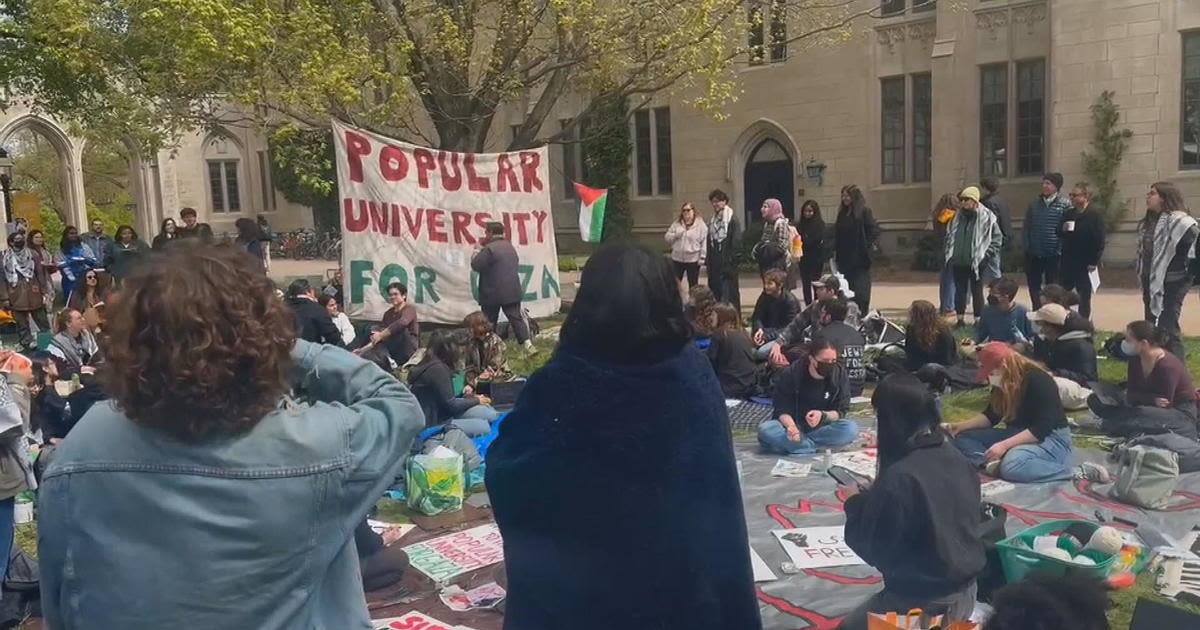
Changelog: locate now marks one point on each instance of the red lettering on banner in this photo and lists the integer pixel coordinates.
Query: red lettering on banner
(435, 225)
(356, 147)
(462, 227)
(413, 222)
(540, 217)
(474, 182)
(379, 217)
(354, 222)
(506, 179)
(425, 163)
(393, 165)
(522, 234)
(529, 171)
(481, 219)
(449, 182)
(395, 220)
(507, 226)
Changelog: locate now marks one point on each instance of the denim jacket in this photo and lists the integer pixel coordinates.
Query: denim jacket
(140, 530)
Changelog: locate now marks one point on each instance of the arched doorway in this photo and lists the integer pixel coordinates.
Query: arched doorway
(56, 160)
(769, 174)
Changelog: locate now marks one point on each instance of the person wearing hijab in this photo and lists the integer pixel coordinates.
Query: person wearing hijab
(855, 235)
(773, 250)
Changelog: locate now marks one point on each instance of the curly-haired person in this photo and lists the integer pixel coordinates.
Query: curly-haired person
(201, 491)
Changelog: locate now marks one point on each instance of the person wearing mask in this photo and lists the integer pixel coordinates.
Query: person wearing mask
(1159, 397)
(812, 398)
(808, 321)
(775, 309)
(856, 234)
(98, 241)
(1167, 236)
(166, 235)
(23, 290)
(847, 340)
(432, 382)
(313, 323)
(400, 331)
(973, 241)
(1043, 249)
(1003, 319)
(1035, 445)
(943, 213)
(688, 238)
(918, 523)
(773, 250)
(1047, 602)
(44, 264)
(732, 354)
(1082, 237)
(999, 207)
(724, 239)
(201, 414)
(499, 283)
(91, 298)
(562, 458)
(1063, 342)
(74, 258)
(249, 240)
(812, 234)
(125, 254)
(73, 346)
(927, 338)
(340, 320)
(484, 360)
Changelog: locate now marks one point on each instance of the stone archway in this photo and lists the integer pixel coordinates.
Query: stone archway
(762, 157)
(70, 158)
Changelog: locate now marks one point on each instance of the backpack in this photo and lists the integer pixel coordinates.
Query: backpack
(21, 597)
(1147, 476)
(1187, 448)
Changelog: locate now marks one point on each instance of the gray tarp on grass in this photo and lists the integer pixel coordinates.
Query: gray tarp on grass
(819, 598)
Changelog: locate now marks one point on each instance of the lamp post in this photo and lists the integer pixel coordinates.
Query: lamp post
(815, 170)
(6, 165)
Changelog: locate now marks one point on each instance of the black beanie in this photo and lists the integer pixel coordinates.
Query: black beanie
(1054, 178)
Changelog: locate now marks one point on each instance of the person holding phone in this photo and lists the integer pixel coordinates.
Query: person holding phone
(918, 524)
(812, 398)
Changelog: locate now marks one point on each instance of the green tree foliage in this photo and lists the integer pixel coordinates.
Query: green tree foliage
(606, 149)
(1102, 161)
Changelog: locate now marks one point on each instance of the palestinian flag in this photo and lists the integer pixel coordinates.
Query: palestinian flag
(591, 212)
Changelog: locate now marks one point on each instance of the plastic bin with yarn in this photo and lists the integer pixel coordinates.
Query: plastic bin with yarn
(1019, 559)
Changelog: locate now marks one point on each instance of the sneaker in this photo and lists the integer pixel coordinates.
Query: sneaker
(992, 469)
(1090, 471)
(960, 323)
(529, 347)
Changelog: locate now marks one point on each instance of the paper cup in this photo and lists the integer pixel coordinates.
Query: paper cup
(1068, 226)
(23, 512)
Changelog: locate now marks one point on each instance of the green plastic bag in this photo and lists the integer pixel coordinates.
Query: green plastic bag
(435, 482)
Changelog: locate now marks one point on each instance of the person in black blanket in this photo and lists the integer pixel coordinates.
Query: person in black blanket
(1064, 343)
(919, 522)
(774, 310)
(619, 437)
(500, 283)
(855, 235)
(1082, 237)
(313, 322)
(849, 343)
(732, 355)
(812, 398)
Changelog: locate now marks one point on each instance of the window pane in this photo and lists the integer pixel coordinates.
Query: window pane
(993, 120)
(756, 38)
(641, 146)
(662, 133)
(1189, 138)
(216, 189)
(232, 200)
(893, 130)
(1031, 95)
(924, 5)
(922, 86)
(778, 31)
(892, 7)
(569, 174)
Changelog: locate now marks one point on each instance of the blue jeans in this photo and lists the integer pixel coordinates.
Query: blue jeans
(772, 436)
(946, 288)
(7, 530)
(476, 421)
(1029, 463)
(763, 352)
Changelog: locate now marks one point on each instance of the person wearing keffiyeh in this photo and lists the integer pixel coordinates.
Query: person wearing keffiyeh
(23, 292)
(1166, 248)
(724, 238)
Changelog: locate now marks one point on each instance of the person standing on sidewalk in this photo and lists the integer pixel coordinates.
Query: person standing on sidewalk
(688, 238)
(499, 283)
(1167, 235)
(943, 213)
(855, 236)
(973, 240)
(724, 236)
(812, 234)
(773, 250)
(1082, 236)
(1042, 247)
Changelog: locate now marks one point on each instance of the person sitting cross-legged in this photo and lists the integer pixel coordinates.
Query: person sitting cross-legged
(1035, 445)
(774, 310)
(1003, 319)
(812, 397)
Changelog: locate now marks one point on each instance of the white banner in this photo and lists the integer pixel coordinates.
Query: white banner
(415, 215)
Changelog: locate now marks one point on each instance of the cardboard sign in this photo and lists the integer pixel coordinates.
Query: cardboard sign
(28, 206)
(817, 547)
(411, 621)
(416, 216)
(858, 462)
(447, 557)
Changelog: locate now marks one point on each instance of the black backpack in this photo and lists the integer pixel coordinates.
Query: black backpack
(20, 597)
